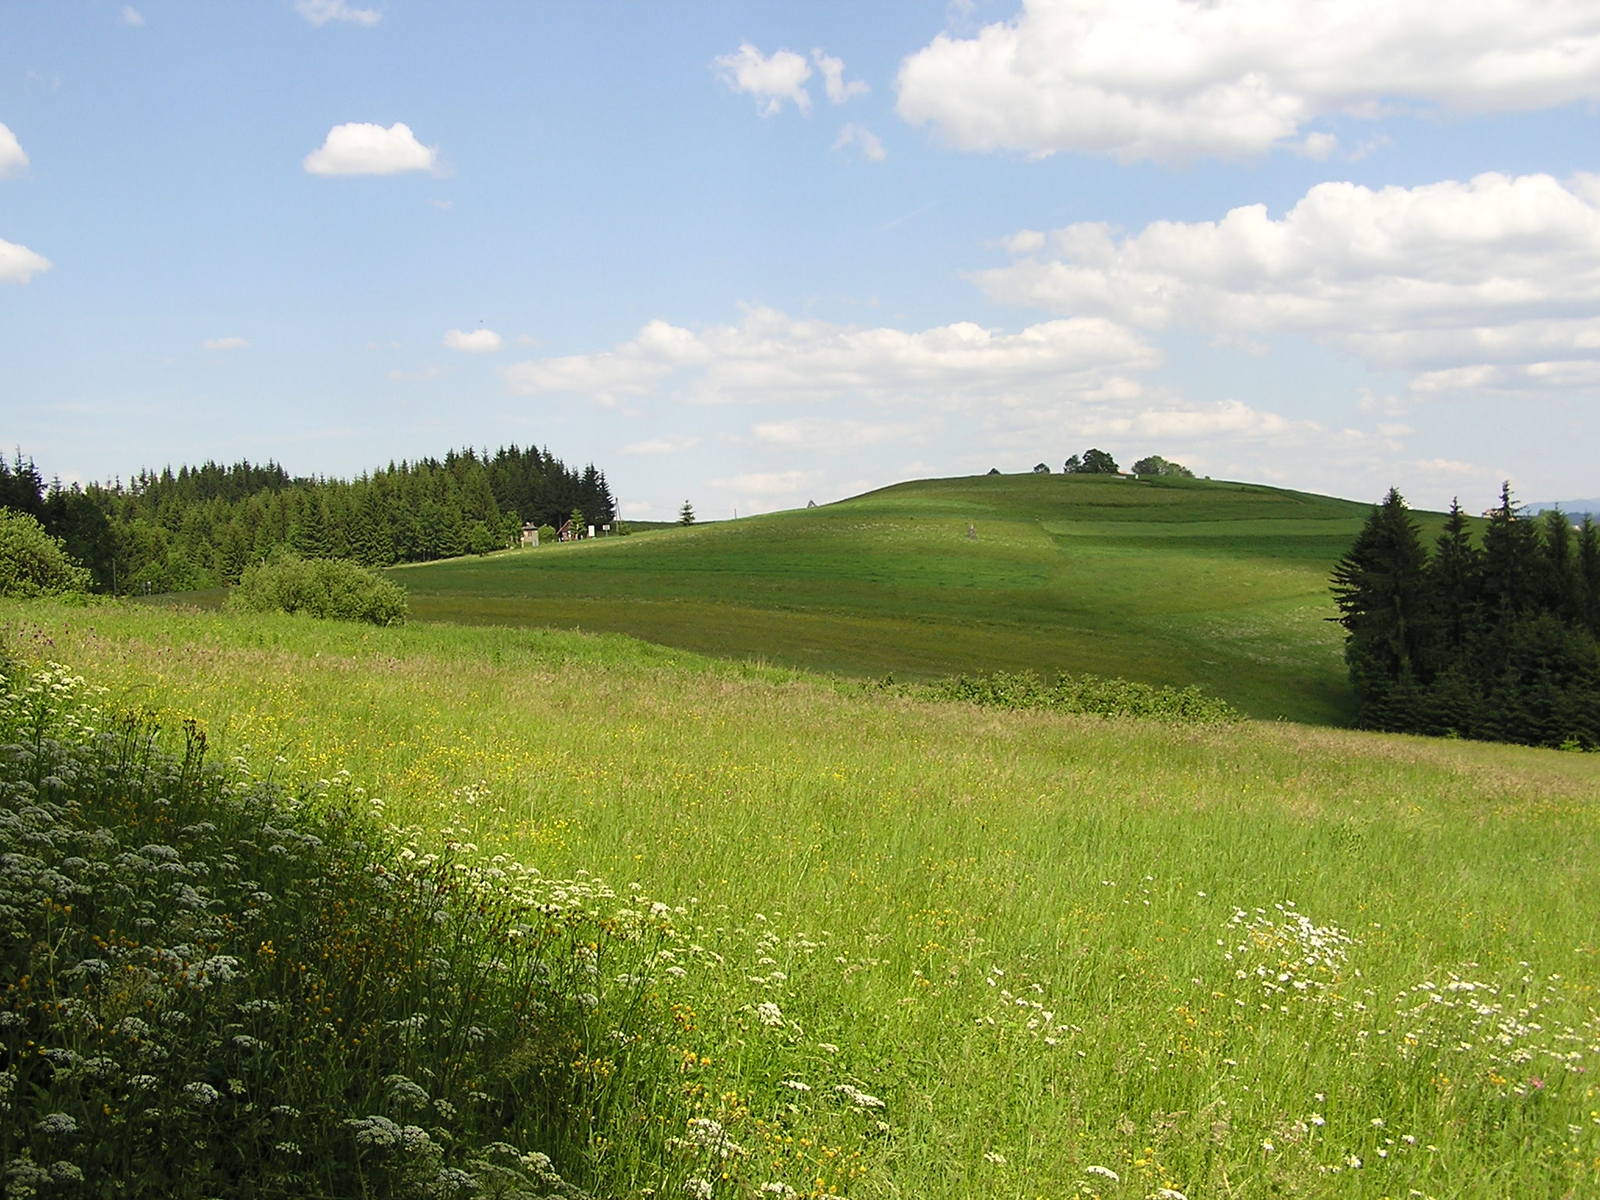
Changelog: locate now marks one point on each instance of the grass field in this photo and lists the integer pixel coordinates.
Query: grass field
(1162, 581)
(936, 951)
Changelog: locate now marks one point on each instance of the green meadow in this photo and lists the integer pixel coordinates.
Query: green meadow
(914, 949)
(1163, 581)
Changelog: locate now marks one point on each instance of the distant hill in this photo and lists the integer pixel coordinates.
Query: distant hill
(1576, 509)
(1176, 581)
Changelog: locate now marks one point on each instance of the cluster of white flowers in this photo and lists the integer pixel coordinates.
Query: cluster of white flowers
(856, 1098)
(769, 1014)
(1285, 954)
(1509, 1025)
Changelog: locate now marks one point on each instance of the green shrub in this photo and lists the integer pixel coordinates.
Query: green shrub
(547, 534)
(320, 587)
(32, 563)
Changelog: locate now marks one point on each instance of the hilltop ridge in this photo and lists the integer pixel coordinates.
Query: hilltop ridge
(1168, 581)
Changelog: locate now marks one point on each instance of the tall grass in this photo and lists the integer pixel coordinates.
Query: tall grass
(212, 986)
(921, 948)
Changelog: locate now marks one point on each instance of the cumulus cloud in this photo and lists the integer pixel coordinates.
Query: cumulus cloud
(320, 12)
(1172, 80)
(1458, 282)
(224, 343)
(833, 80)
(18, 264)
(772, 357)
(362, 149)
(771, 80)
(478, 341)
(862, 138)
(12, 158)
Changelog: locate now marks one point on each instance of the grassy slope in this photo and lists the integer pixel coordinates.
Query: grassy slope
(1165, 581)
(890, 858)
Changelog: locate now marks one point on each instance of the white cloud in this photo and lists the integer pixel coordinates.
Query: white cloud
(478, 341)
(672, 443)
(859, 136)
(766, 484)
(632, 369)
(18, 264)
(362, 149)
(1317, 146)
(1456, 282)
(833, 81)
(132, 16)
(1231, 418)
(770, 357)
(770, 80)
(12, 158)
(224, 343)
(1172, 80)
(830, 434)
(320, 12)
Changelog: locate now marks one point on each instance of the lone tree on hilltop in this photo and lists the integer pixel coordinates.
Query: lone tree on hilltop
(686, 514)
(1041, 469)
(1154, 464)
(1093, 462)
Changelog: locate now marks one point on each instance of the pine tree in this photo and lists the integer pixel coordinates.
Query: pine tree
(1455, 577)
(1384, 605)
(686, 514)
(1589, 573)
(1562, 589)
(1510, 563)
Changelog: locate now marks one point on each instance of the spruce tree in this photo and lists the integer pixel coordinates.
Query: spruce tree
(1510, 564)
(1562, 589)
(1455, 577)
(1384, 605)
(1589, 573)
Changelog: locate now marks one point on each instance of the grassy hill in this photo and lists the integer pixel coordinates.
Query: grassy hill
(1163, 581)
(925, 949)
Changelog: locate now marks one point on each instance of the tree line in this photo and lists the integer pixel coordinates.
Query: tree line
(1095, 461)
(1496, 637)
(199, 527)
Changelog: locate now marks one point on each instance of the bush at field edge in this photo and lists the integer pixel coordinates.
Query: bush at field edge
(321, 587)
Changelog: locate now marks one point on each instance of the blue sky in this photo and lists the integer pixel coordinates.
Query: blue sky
(758, 254)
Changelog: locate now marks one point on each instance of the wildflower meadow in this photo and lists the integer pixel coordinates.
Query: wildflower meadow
(519, 910)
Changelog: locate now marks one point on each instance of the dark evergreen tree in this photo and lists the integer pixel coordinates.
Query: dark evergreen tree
(1383, 597)
(22, 487)
(1511, 565)
(1500, 644)
(1455, 579)
(1589, 573)
(1561, 586)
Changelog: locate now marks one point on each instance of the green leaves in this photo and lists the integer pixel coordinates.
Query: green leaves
(325, 587)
